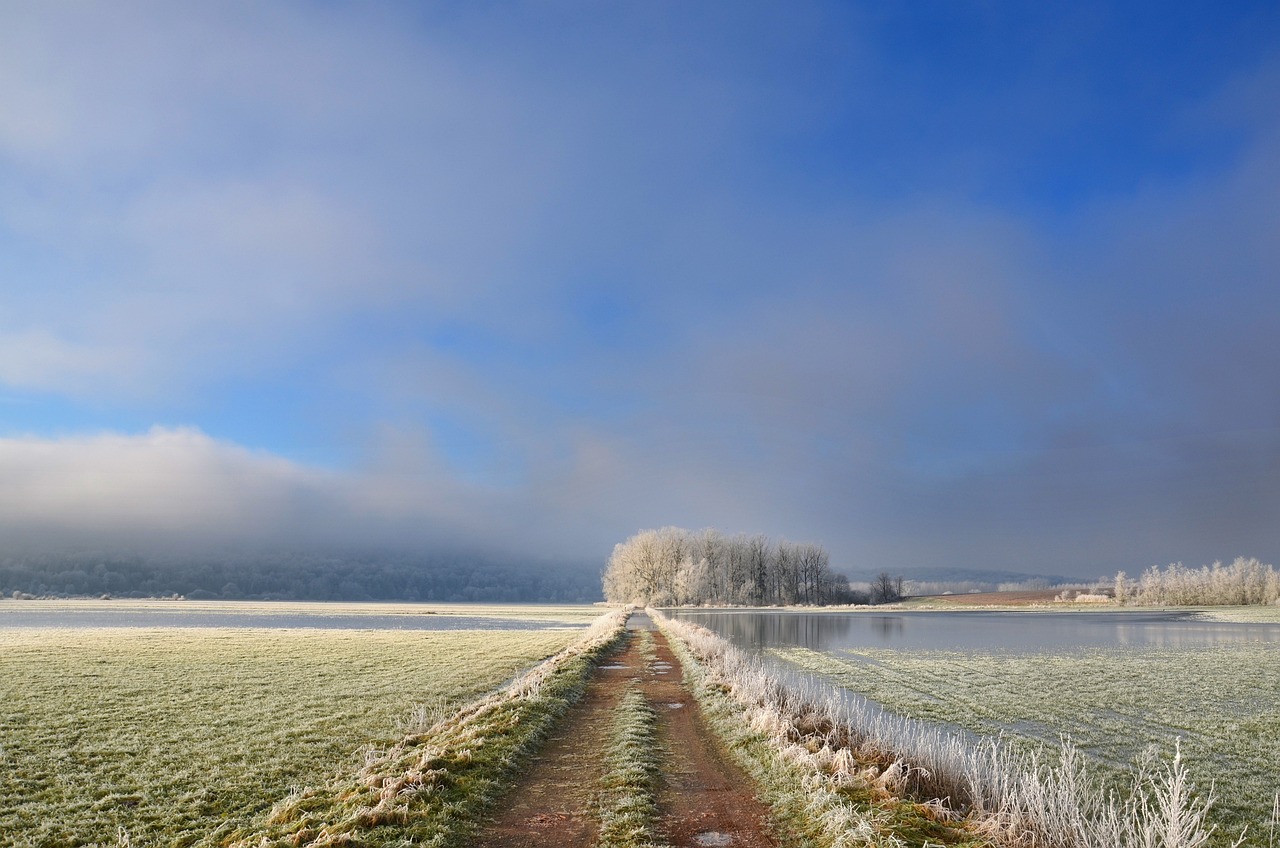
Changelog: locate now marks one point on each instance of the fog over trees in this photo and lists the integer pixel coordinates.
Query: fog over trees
(676, 566)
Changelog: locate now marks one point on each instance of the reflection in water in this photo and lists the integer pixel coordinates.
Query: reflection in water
(984, 630)
(889, 626)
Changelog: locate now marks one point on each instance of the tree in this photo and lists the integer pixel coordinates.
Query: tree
(672, 565)
(1122, 588)
(757, 549)
(886, 588)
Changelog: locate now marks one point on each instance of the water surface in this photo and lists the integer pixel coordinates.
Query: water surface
(974, 630)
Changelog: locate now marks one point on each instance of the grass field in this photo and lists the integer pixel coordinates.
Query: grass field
(157, 736)
(558, 613)
(1223, 702)
(1242, 615)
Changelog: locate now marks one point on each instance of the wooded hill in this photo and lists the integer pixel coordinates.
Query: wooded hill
(356, 576)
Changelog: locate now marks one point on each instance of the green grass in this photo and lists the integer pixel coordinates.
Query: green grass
(628, 803)
(170, 733)
(1223, 702)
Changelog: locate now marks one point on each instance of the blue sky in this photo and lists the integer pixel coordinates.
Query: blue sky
(936, 284)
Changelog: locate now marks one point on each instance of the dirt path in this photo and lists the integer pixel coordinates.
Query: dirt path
(705, 799)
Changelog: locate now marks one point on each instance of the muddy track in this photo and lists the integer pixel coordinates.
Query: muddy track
(704, 799)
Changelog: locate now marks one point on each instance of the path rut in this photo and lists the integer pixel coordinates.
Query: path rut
(704, 800)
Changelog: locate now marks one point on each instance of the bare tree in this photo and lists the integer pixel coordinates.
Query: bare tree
(757, 550)
(886, 588)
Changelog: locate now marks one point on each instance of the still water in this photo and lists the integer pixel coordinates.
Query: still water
(974, 631)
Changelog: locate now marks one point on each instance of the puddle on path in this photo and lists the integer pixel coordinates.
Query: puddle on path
(675, 706)
(712, 838)
(614, 666)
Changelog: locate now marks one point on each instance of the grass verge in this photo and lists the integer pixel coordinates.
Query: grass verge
(628, 803)
(873, 778)
(433, 787)
(1220, 702)
(819, 792)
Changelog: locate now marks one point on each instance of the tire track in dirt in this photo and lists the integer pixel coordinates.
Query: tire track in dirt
(552, 805)
(704, 799)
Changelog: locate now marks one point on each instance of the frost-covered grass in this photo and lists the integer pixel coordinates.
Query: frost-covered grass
(1222, 702)
(170, 733)
(628, 802)
(869, 775)
(562, 613)
(825, 788)
(1242, 615)
(433, 786)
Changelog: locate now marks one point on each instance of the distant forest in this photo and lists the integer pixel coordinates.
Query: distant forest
(390, 577)
(676, 566)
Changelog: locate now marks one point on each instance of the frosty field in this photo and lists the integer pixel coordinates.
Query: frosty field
(1222, 701)
(161, 735)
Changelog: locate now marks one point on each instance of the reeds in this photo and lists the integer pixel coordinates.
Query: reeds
(1013, 795)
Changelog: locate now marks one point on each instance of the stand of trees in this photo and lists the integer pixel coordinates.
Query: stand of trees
(676, 566)
(1245, 581)
(886, 589)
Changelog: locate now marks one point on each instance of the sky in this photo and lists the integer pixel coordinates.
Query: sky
(949, 285)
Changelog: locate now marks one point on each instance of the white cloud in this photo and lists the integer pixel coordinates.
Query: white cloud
(38, 359)
(163, 486)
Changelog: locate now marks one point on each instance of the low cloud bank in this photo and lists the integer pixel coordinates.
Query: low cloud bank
(174, 511)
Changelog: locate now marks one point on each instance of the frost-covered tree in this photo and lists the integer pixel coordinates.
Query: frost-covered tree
(1245, 581)
(672, 565)
(1123, 588)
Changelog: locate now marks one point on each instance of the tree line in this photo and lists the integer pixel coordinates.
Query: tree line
(289, 576)
(1245, 581)
(673, 566)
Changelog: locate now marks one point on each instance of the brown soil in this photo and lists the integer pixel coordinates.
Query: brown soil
(703, 794)
(1020, 598)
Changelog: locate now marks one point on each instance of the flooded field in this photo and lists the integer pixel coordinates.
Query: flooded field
(1120, 684)
(978, 630)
